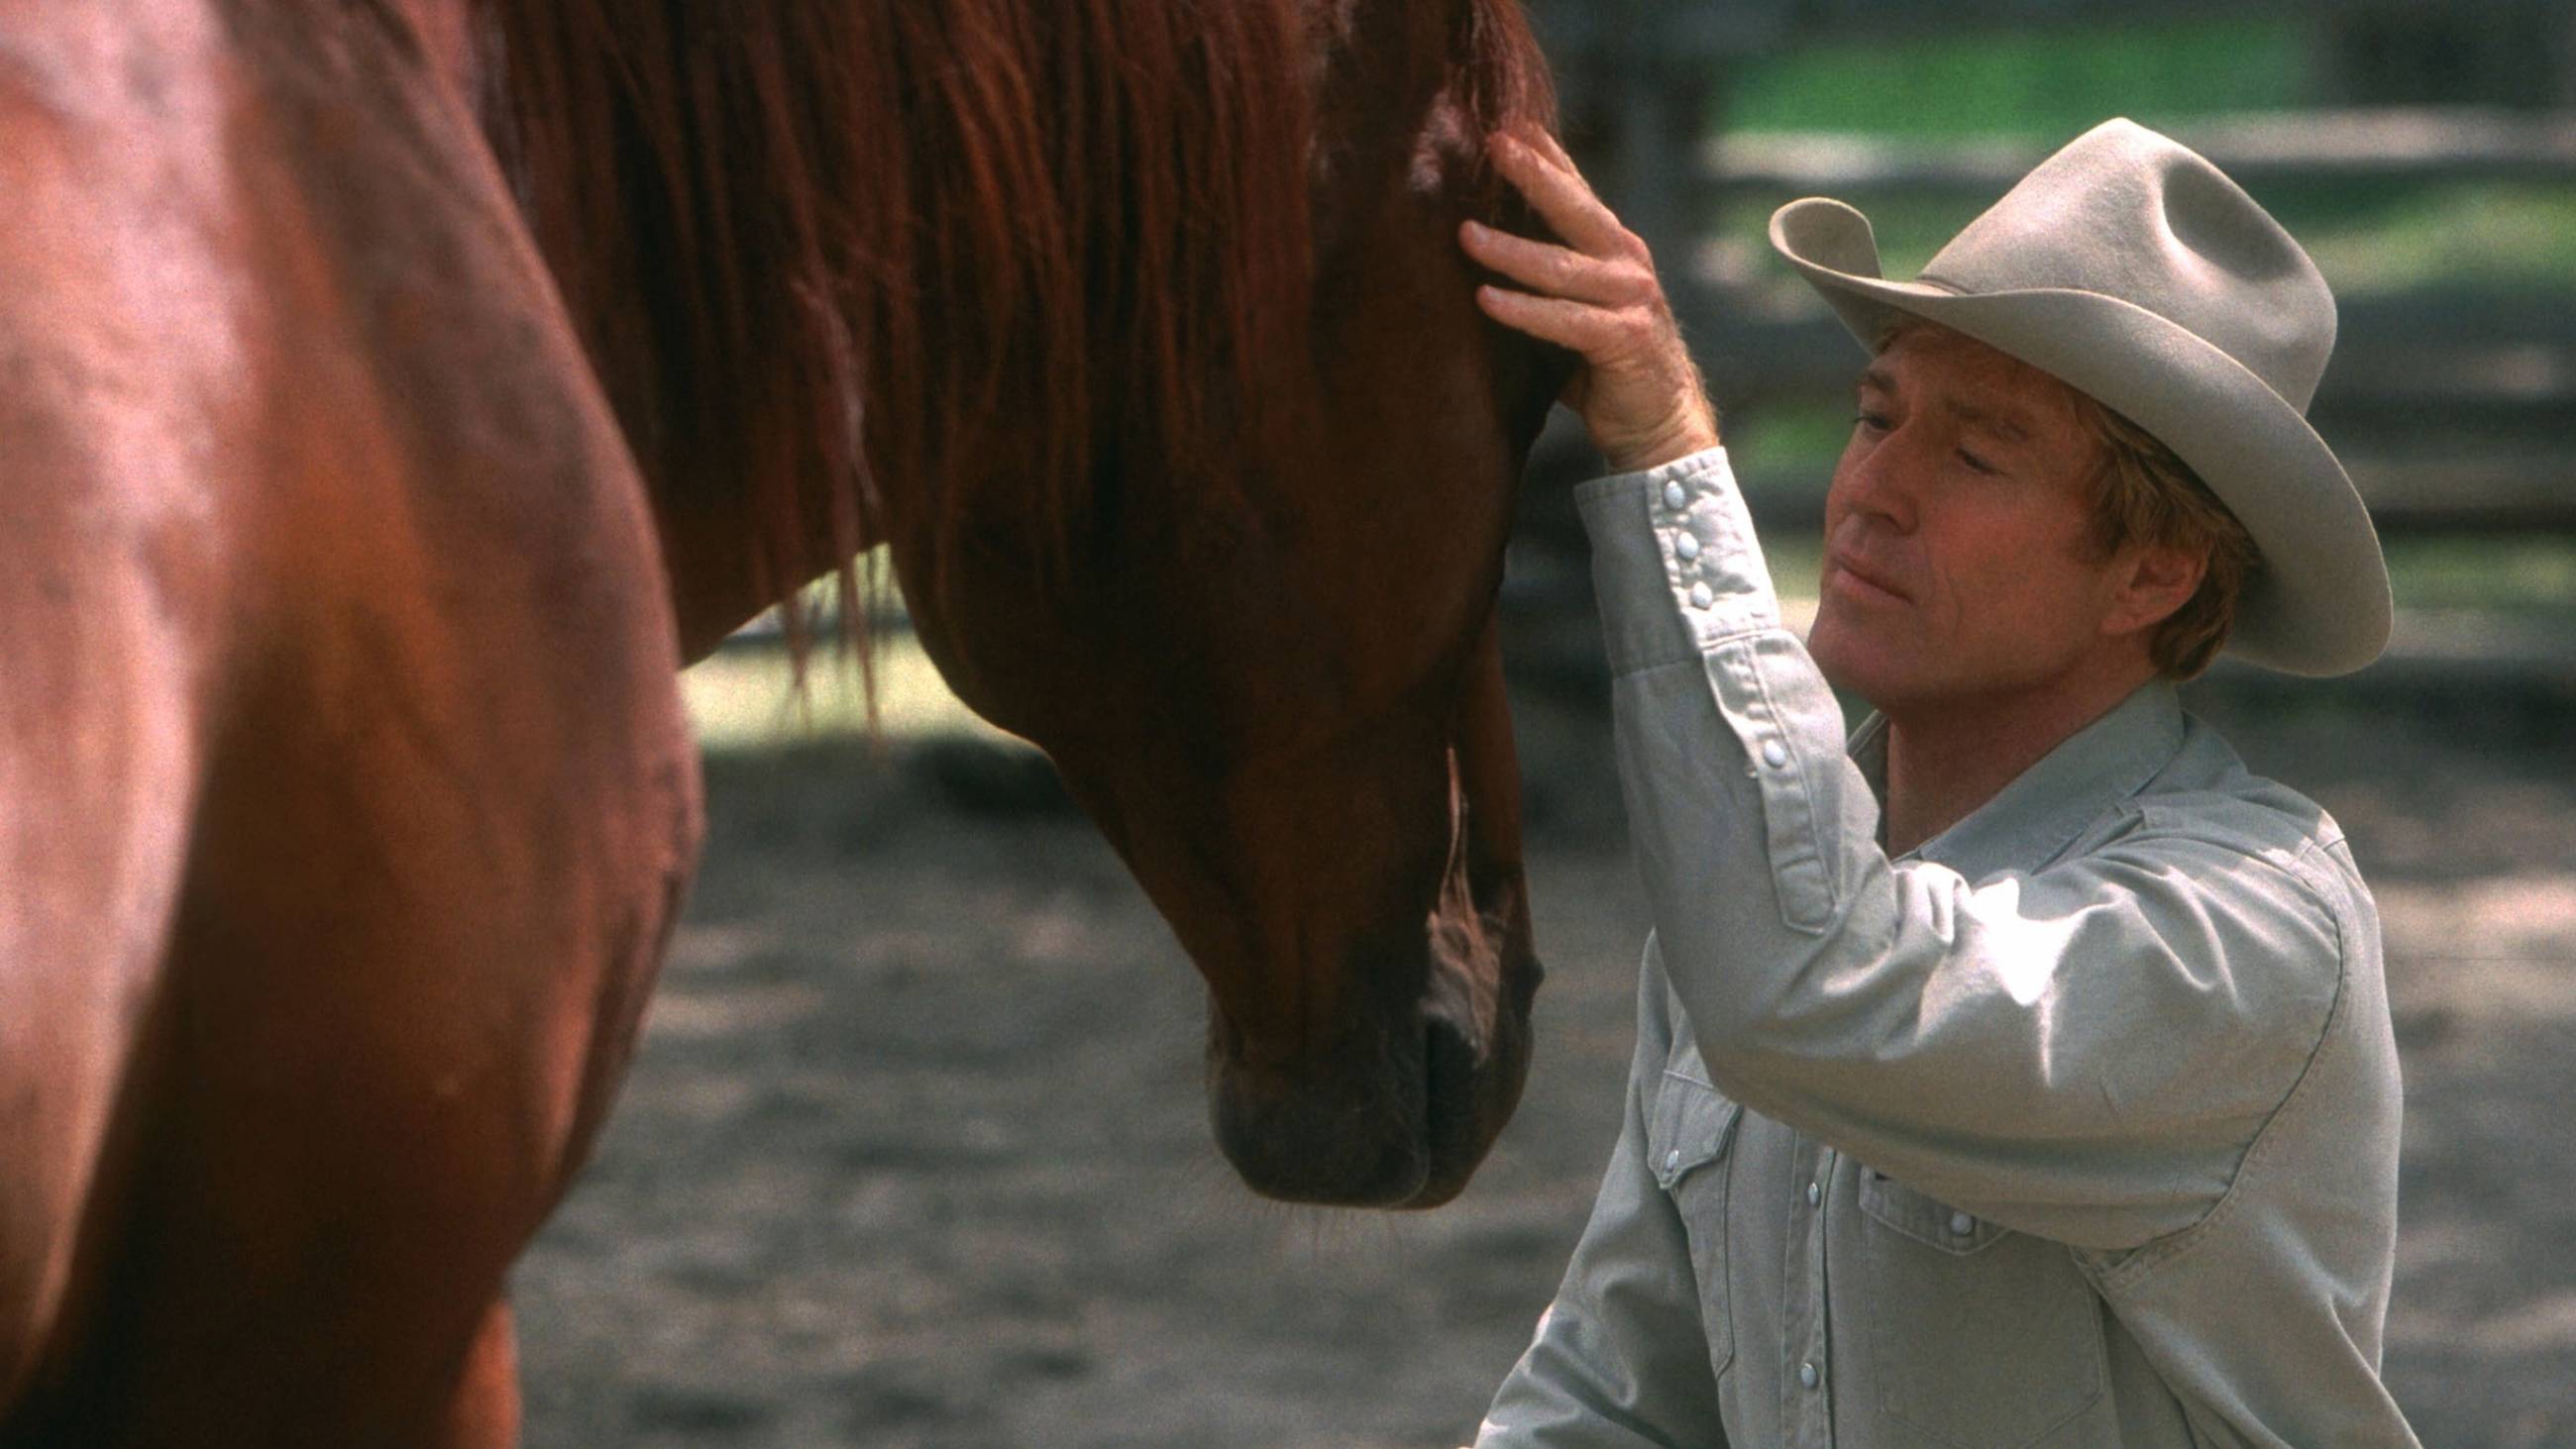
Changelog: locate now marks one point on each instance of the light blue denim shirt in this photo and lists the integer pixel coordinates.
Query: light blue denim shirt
(2076, 1126)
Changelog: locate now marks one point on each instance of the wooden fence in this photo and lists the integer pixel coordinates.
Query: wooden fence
(2455, 407)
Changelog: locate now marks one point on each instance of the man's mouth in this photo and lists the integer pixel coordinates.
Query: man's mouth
(1860, 582)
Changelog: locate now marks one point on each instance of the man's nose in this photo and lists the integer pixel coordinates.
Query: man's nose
(1880, 482)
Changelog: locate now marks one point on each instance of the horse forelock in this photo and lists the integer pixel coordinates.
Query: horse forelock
(836, 262)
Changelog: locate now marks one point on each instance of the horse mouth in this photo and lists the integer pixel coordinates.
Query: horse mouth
(1396, 1113)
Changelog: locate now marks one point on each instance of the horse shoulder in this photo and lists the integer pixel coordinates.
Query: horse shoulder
(345, 796)
(110, 580)
(463, 719)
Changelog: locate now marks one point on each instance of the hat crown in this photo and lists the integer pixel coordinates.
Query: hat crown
(2130, 214)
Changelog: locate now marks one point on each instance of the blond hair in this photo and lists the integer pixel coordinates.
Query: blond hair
(2144, 494)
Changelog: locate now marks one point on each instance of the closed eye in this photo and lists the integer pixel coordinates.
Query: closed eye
(1979, 465)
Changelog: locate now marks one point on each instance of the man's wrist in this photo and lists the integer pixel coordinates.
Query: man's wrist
(1695, 436)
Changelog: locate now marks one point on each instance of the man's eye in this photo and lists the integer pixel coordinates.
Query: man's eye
(1874, 422)
(1977, 464)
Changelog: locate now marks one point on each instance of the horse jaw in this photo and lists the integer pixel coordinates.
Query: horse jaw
(1398, 1105)
(1396, 1110)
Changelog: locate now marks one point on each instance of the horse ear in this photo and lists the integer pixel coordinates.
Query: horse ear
(1402, 82)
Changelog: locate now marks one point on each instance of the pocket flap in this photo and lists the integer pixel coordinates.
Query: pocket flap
(1690, 1127)
(1926, 1220)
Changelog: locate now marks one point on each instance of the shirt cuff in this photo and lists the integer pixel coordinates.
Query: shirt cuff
(1674, 561)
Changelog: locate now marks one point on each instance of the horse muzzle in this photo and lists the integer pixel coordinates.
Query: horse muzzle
(1398, 1107)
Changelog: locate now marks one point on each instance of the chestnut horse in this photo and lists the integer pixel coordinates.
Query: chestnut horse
(395, 393)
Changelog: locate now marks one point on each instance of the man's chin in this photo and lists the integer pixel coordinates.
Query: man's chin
(1864, 665)
(1843, 653)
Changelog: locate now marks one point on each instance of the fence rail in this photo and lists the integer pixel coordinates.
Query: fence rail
(2455, 407)
(2392, 145)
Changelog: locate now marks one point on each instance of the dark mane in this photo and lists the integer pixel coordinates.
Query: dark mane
(817, 247)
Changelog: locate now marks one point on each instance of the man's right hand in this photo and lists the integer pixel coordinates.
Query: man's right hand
(1638, 392)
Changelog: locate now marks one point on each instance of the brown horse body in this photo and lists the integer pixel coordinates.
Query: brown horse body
(353, 538)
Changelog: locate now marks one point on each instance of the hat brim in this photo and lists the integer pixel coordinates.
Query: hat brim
(2320, 602)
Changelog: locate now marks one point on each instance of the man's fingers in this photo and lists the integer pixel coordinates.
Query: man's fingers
(1560, 196)
(1596, 332)
(1542, 140)
(1554, 270)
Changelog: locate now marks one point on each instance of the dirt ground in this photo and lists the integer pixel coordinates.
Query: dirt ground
(916, 1152)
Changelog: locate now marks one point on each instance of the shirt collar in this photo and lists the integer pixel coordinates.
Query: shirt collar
(2033, 819)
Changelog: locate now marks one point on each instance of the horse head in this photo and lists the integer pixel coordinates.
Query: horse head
(1138, 332)
(1270, 673)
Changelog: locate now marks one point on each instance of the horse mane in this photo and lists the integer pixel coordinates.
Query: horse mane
(819, 247)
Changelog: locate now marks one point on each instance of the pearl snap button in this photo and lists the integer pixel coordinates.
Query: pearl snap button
(1674, 497)
(1773, 754)
(1701, 597)
(1672, 1159)
(1961, 1225)
(1815, 1194)
(1687, 546)
(1807, 1375)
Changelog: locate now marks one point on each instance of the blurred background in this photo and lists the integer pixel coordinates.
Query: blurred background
(915, 1152)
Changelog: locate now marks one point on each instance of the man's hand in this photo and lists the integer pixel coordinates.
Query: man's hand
(1638, 392)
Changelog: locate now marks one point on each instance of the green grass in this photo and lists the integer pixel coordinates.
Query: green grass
(745, 698)
(1802, 437)
(2036, 86)
(2043, 88)
(2535, 576)
(2481, 234)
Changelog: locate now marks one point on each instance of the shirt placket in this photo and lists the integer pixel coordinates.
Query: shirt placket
(1806, 1373)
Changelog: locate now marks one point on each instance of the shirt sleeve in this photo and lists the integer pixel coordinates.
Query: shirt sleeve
(1620, 1359)
(2084, 1052)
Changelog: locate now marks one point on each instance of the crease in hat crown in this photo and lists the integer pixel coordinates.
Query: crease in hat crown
(2131, 268)
(2149, 209)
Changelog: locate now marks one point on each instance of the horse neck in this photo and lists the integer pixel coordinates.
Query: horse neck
(853, 273)
(444, 30)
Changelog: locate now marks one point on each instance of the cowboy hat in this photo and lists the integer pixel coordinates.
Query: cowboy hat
(2131, 269)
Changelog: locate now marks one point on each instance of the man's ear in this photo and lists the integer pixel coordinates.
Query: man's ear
(2153, 582)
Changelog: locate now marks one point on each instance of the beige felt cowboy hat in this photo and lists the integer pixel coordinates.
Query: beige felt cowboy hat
(2128, 267)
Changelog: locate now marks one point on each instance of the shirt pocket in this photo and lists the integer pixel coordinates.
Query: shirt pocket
(1983, 1338)
(1689, 1136)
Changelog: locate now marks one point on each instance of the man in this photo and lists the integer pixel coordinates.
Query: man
(2022, 1076)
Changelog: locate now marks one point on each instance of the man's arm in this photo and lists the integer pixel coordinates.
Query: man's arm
(2084, 1052)
(1620, 1360)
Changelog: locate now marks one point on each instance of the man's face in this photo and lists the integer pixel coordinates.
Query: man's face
(1957, 568)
